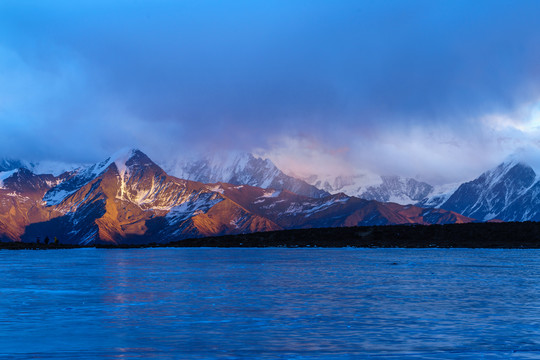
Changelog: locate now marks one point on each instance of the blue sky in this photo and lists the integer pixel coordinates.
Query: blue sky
(436, 89)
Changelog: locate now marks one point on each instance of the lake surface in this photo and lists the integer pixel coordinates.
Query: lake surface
(271, 303)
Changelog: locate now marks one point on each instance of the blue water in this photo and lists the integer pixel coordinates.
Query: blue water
(270, 303)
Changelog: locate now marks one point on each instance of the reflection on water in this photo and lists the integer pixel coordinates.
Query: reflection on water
(270, 303)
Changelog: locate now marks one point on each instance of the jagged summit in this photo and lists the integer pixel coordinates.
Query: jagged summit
(124, 155)
(121, 157)
(130, 159)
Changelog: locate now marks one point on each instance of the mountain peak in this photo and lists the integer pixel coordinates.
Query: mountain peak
(529, 156)
(123, 160)
(123, 155)
(513, 161)
(506, 192)
(511, 168)
(127, 158)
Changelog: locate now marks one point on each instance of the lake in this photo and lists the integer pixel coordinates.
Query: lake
(271, 303)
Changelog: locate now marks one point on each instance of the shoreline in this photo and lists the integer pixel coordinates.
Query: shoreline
(510, 235)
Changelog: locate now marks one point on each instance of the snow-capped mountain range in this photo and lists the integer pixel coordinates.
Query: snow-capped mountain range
(508, 192)
(240, 168)
(245, 168)
(127, 198)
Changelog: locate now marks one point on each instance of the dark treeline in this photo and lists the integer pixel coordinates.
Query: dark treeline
(17, 245)
(473, 235)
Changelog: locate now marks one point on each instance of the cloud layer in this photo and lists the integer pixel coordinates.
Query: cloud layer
(434, 89)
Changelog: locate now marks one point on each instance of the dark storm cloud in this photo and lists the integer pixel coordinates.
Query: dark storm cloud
(212, 74)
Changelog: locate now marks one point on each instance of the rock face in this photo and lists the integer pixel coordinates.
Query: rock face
(508, 192)
(242, 169)
(129, 199)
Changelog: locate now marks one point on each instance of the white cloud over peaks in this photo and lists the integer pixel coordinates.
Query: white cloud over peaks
(306, 156)
(436, 154)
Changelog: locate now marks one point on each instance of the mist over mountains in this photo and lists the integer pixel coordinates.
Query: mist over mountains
(240, 168)
(506, 192)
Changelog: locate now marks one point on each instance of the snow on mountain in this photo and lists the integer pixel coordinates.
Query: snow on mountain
(349, 184)
(6, 175)
(240, 169)
(396, 189)
(74, 181)
(55, 168)
(439, 195)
